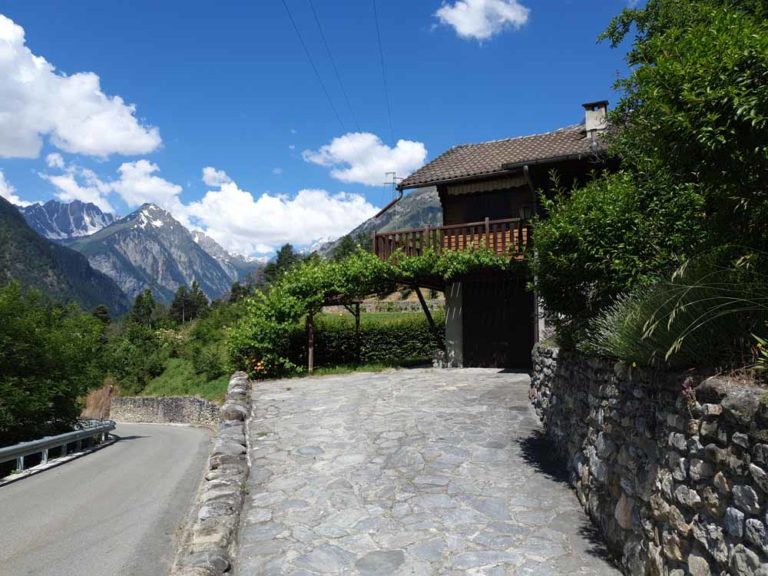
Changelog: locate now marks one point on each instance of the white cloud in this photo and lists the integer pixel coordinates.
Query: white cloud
(37, 101)
(238, 220)
(137, 184)
(8, 192)
(277, 171)
(213, 177)
(246, 224)
(55, 160)
(482, 19)
(362, 158)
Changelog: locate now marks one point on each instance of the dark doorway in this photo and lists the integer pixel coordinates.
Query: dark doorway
(498, 314)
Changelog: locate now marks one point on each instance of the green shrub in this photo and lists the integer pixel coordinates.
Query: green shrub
(609, 238)
(704, 317)
(47, 363)
(389, 342)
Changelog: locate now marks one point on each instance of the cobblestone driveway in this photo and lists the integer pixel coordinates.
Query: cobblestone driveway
(407, 472)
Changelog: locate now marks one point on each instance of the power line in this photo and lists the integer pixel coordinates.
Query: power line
(314, 67)
(333, 63)
(383, 72)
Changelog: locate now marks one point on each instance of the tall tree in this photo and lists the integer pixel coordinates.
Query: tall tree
(143, 308)
(180, 310)
(285, 258)
(198, 301)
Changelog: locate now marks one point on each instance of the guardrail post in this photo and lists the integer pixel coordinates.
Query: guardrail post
(19, 463)
(45, 457)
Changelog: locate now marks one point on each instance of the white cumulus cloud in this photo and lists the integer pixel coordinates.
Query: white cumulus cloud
(137, 183)
(244, 223)
(71, 110)
(239, 220)
(362, 158)
(482, 19)
(8, 192)
(213, 177)
(55, 160)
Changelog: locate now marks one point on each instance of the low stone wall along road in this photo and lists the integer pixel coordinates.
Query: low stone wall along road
(413, 472)
(115, 512)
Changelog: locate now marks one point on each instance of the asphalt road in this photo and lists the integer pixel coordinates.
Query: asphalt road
(115, 512)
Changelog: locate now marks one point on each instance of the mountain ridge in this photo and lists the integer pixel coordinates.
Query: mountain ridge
(149, 248)
(61, 221)
(57, 271)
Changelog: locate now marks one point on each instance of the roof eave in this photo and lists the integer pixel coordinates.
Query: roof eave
(482, 176)
(506, 169)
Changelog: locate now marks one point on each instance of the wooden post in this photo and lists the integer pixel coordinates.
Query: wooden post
(357, 331)
(487, 232)
(430, 320)
(310, 343)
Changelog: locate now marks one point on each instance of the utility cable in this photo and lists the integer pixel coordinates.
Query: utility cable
(333, 63)
(314, 67)
(383, 72)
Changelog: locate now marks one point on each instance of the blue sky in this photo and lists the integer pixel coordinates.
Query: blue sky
(227, 85)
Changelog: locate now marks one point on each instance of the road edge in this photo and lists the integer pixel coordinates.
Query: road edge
(206, 548)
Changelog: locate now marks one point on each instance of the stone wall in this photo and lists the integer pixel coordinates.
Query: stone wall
(210, 538)
(673, 471)
(164, 410)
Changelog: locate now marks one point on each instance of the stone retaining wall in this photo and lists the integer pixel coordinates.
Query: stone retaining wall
(164, 410)
(673, 471)
(209, 541)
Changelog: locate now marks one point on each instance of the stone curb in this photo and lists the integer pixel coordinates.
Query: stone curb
(210, 538)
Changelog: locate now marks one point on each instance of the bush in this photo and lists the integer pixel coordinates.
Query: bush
(609, 238)
(704, 317)
(401, 341)
(47, 363)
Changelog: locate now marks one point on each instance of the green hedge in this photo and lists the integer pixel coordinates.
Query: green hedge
(392, 341)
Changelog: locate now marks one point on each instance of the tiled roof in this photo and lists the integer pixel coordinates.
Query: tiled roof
(488, 158)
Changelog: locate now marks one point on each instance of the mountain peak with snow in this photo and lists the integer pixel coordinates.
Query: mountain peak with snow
(57, 220)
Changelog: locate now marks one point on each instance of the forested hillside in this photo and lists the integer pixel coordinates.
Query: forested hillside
(58, 272)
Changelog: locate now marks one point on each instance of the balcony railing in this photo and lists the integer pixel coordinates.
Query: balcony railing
(504, 237)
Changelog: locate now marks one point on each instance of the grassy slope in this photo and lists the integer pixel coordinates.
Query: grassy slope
(179, 379)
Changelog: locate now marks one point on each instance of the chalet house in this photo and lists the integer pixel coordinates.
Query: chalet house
(488, 193)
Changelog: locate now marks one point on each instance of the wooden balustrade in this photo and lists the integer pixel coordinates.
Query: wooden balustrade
(507, 236)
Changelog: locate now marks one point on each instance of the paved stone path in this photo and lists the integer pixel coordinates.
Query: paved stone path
(411, 472)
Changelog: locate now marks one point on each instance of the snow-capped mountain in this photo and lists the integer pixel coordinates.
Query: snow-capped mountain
(235, 265)
(150, 249)
(60, 221)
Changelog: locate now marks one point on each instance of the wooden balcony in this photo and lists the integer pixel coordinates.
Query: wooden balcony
(504, 237)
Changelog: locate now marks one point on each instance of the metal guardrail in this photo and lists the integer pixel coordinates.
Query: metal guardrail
(88, 429)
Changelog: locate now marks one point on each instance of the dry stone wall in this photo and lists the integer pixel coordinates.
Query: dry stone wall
(209, 541)
(164, 410)
(673, 471)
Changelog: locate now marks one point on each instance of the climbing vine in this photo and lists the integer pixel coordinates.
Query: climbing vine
(259, 343)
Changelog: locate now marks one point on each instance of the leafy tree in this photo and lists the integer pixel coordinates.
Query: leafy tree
(198, 301)
(101, 313)
(180, 310)
(691, 131)
(346, 247)
(143, 309)
(695, 106)
(48, 357)
(238, 292)
(285, 259)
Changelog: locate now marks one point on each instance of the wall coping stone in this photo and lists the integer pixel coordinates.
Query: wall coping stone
(208, 545)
